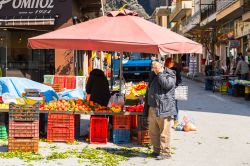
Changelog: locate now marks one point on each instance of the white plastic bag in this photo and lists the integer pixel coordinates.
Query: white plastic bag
(181, 92)
(116, 99)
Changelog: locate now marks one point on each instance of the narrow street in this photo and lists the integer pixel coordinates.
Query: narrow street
(222, 138)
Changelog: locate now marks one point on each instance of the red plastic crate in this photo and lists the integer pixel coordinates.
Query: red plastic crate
(98, 130)
(121, 122)
(23, 144)
(60, 134)
(23, 129)
(143, 137)
(61, 120)
(134, 121)
(70, 82)
(59, 80)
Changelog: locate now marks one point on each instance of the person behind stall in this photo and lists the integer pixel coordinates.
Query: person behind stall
(169, 63)
(98, 87)
(160, 107)
(228, 64)
(242, 68)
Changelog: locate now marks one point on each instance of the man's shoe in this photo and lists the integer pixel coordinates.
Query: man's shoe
(163, 157)
(175, 124)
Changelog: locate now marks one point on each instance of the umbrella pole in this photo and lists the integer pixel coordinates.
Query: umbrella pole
(121, 75)
(6, 57)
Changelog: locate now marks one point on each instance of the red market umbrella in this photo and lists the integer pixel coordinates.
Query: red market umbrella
(120, 31)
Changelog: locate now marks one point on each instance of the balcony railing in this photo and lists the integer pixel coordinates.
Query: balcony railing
(208, 11)
(179, 7)
(191, 22)
(222, 4)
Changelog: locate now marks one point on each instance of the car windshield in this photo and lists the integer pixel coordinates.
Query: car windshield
(138, 56)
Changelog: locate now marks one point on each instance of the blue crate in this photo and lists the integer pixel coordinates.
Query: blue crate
(121, 136)
(230, 91)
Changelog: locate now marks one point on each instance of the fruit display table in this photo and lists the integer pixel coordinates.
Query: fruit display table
(85, 113)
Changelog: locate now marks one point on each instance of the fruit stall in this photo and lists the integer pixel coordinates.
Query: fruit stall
(26, 120)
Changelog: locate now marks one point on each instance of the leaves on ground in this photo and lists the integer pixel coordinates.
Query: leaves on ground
(223, 137)
(42, 140)
(54, 147)
(26, 156)
(57, 155)
(94, 156)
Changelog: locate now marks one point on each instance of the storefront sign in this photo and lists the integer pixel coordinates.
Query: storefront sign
(21, 9)
(234, 43)
(241, 28)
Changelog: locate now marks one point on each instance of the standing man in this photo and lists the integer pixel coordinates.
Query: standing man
(243, 68)
(160, 107)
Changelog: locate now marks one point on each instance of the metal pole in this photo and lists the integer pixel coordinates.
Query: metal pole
(121, 76)
(6, 57)
(102, 7)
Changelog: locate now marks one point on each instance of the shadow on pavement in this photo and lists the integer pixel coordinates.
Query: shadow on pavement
(127, 150)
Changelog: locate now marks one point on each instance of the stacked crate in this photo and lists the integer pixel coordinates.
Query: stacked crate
(121, 129)
(23, 128)
(134, 121)
(247, 92)
(143, 132)
(3, 130)
(98, 132)
(70, 82)
(60, 80)
(61, 128)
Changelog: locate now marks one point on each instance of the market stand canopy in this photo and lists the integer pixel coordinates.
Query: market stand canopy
(120, 31)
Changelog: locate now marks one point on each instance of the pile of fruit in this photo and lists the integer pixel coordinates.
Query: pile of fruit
(98, 108)
(140, 88)
(74, 105)
(116, 107)
(4, 106)
(66, 105)
(135, 108)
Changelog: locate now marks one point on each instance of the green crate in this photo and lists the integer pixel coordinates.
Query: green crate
(3, 132)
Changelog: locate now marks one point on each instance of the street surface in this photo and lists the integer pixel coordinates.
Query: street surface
(223, 135)
(222, 138)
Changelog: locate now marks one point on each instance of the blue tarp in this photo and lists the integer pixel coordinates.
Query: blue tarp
(72, 94)
(16, 86)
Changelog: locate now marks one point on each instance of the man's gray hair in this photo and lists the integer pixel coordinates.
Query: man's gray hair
(156, 63)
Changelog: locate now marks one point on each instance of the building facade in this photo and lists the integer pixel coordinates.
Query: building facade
(221, 26)
(22, 19)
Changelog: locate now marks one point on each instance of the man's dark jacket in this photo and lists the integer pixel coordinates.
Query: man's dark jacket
(164, 94)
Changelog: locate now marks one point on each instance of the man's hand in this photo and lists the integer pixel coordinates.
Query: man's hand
(158, 70)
